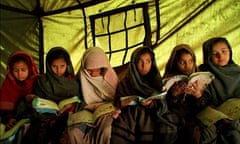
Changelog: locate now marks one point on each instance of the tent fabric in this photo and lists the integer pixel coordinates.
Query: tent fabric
(38, 25)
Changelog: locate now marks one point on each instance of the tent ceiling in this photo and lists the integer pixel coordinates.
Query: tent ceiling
(38, 25)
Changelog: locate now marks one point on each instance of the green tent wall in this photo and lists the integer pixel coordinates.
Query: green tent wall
(38, 25)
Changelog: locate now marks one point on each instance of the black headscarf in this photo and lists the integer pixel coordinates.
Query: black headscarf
(53, 87)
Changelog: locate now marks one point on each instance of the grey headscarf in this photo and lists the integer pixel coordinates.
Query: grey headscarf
(227, 78)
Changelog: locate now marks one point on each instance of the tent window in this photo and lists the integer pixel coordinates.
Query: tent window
(126, 23)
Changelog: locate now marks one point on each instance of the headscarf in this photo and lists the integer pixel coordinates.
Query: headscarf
(227, 78)
(171, 68)
(101, 88)
(53, 87)
(135, 84)
(12, 90)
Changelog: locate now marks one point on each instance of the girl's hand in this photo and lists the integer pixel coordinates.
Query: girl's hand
(178, 89)
(146, 103)
(126, 102)
(194, 90)
(11, 123)
(30, 97)
(116, 114)
(66, 108)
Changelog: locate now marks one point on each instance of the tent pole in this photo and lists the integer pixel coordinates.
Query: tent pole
(41, 48)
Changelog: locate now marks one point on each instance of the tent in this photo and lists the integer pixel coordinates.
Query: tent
(118, 26)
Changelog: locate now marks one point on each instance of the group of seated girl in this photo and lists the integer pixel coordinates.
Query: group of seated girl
(170, 119)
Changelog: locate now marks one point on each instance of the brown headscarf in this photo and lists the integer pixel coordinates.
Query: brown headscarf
(171, 68)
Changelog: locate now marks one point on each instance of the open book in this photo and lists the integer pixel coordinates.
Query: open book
(230, 109)
(47, 106)
(9, 135)
(86, 116)
(136, 99)
(202, 78)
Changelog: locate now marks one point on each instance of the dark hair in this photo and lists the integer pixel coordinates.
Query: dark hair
(17, 58)
(141, 51)
(208, 45)
(57, 53)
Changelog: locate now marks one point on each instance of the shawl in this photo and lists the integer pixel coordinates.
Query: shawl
(171, 68)
(12, 90)
(133, 83)
(53, 87)
(100, 88)
(227, 78)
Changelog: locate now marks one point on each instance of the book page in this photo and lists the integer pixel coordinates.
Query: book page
(43, 105)
(231, 108)
(202, 78)
(134, 99)
(157, 96)
(83, 116)
(68, 101)
(209, 116)
(168, 82)
(103, 109)
(14, 130)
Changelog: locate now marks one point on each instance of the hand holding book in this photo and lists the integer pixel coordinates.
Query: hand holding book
(47, 106)
(134, 99)
(199, 78)
(188, 85)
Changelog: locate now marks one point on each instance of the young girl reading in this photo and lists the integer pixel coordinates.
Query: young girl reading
(57, 84)
(182, 61)
(21, 74)
(136, 123)
(98, 84)
(217, 58)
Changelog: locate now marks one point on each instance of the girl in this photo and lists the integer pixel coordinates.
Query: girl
(135, 124)
(17, 89)
(57, 84)
(98, 85)
(217, 58)
(18, 84)
(182, 61)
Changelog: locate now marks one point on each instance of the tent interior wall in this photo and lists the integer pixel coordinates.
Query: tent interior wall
(117, 26)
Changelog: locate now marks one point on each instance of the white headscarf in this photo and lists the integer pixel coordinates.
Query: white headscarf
(101, 88)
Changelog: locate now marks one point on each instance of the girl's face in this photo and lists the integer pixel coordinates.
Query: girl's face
(144, 64)
(20, 70)
(94, 72)
(59, 66)
(185, 63)
(220, 54)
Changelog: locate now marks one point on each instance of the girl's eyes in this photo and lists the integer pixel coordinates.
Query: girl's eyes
(223, 51)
